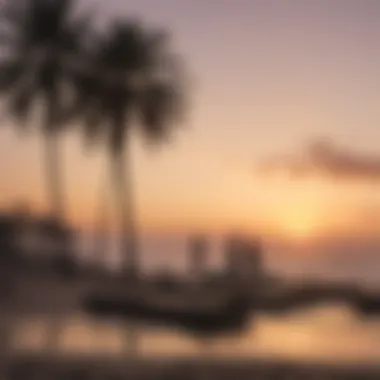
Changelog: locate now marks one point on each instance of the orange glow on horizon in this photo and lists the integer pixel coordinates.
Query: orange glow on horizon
(292, 215)
(297, 226)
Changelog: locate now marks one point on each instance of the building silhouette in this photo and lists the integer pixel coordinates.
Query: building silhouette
(198, 248)
(244, 261)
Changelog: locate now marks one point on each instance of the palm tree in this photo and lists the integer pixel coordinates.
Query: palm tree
(135, 84)
(39, 41)
(39, 45)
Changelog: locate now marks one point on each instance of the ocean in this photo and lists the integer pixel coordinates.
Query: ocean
(330, 332)
(165, 253)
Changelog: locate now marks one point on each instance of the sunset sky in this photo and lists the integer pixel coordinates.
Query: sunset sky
(268, 78)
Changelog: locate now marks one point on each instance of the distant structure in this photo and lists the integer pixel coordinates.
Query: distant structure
(197, 253)
(7, 230)
(244, 262)
(34, 239)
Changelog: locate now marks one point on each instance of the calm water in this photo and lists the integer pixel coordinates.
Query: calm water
(328, 333)
(161, 253)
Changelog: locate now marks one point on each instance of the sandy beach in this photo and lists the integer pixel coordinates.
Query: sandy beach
(75, 367)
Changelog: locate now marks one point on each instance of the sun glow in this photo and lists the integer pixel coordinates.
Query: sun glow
(299, 224)
(300, 221)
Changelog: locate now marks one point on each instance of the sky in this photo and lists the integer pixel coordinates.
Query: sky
(268, 80)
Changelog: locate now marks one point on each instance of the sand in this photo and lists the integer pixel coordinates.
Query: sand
(36, 367)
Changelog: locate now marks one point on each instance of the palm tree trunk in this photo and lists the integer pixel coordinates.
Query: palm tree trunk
(101, 238)
(4, 347)
(123, 191)
(57, 212)
(54, 177)
(8, 321)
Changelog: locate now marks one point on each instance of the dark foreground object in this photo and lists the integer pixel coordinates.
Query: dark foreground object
(226, 315)
(367, 304)
(28, 368)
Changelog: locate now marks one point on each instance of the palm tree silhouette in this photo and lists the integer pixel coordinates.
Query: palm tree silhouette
(131, 80)
(134, 83)
(39, 43)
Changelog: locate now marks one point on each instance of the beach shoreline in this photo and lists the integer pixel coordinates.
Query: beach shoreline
(182, 368)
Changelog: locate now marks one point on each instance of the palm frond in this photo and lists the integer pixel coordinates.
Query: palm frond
(107, 107)
(158, 111)
(47, 19)
(61, 10)
(86, 90)
(10, 74)
(156, 46)
(20, 104)
(162, 105)
(88, 106)
(126, 49)
(74, 38)
(12, 12)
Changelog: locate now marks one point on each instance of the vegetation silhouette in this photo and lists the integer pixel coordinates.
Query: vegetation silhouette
(366, 304)
(123, 80)
(37, 44)
(224, 314)
(135, 84)
(223, 308)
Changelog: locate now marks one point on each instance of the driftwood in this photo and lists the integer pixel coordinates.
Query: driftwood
(213, 311)
(367, 304)
(204, 316)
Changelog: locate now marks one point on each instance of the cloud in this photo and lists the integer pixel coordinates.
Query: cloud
(325, 159)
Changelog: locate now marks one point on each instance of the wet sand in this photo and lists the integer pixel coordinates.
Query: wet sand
(36, 367)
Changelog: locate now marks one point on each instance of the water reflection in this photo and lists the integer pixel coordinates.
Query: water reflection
(328, 333)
